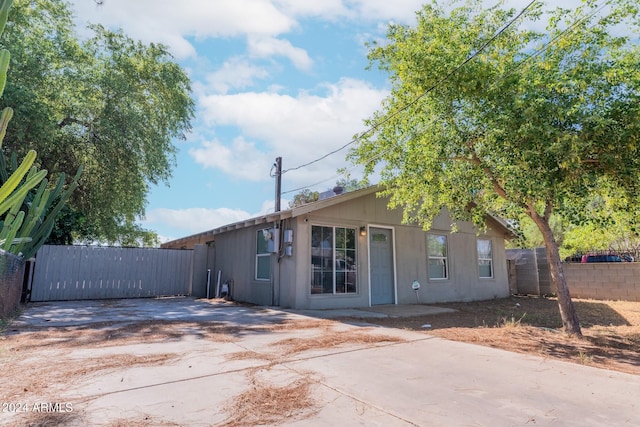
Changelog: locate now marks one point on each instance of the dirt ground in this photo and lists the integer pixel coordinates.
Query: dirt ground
(113, 347)
(532, 325)
(526, 325)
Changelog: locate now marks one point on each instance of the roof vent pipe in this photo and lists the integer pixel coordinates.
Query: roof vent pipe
(337, 190)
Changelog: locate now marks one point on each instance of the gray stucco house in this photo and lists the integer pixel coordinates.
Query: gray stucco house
(350, 251)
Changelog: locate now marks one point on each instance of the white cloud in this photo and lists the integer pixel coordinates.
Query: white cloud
(265, 47)
(194, 220)
(327, 9)
(299, 129)
(170, 22)
(235, 73)
(401, 11)
(241, 159)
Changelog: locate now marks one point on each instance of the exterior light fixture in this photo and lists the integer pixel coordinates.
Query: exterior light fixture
(363, 231)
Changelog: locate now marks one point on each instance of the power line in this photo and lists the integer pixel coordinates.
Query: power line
(422, 95)
(519, 65)
(310, 185)
(561, 34)
(408, 105)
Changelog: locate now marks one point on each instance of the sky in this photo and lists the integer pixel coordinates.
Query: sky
(270, 78)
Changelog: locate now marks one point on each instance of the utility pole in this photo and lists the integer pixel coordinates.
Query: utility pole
(278, 175)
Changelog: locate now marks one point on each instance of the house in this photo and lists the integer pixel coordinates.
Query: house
(351, 251)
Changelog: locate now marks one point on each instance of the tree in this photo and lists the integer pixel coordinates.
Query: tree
(602, 224)
(484, 116)
(350, 184)
(28, 207)
(346, 182)
(303, 197)
(110, 103)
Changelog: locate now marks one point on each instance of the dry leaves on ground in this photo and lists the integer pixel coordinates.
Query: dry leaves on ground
(532, 325)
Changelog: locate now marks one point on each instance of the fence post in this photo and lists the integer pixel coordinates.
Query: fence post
(11, 279)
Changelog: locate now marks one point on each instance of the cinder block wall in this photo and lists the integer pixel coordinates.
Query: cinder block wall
(527, 281)
(604, 280)
(544, 274)
(598, 280)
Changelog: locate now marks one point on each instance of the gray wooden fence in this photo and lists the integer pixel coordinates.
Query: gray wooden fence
(89, 272)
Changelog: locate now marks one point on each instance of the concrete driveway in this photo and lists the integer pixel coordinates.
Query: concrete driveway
(373, 377)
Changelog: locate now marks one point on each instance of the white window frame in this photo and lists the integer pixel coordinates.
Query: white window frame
(437, 257)
(490, 259)
(262, 255)
(334, 261)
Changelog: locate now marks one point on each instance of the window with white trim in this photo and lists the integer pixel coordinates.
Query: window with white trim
(485, 259)
(438, 264)
(263, 256)
(333, 260)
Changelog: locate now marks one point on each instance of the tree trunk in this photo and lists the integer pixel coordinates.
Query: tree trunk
(567, 310)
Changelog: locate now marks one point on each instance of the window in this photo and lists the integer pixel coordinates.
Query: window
(437, 247)
(263, 256)
(333, 260)
(485, 258)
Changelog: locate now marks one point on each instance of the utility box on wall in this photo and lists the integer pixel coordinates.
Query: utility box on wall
(288, 242)
(273, 242)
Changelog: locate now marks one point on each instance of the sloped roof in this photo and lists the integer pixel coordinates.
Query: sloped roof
(208, 236)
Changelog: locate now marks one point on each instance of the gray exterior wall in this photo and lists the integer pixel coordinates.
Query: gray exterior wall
(235, 252)
(291, 275)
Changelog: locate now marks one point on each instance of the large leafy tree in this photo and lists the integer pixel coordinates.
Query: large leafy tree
(28, 205)
(488, 115)
(607, 223)
(107, 102)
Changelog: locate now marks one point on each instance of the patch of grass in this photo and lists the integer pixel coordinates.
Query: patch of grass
(585, 358)
(6, 322)
(511, 322)
(611, 329)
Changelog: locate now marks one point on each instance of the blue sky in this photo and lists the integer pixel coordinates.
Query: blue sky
(270, 78)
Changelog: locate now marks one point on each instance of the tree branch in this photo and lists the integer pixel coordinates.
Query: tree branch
(70, 121)
(547, 210)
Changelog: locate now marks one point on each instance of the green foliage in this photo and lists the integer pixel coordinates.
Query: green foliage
(609, 221)
(109, 103)
(346, 182)
(350, 184)
(27, 217)
(529, 126)
(303, 197)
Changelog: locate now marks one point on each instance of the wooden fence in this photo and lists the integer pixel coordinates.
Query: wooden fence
(89, 272)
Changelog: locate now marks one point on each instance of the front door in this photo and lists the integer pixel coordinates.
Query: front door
(381, 268)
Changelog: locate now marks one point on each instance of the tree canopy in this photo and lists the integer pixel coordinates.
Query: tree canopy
(28, 205)
(347, 183)
(487, 114)
(110, 103)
